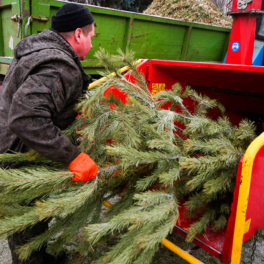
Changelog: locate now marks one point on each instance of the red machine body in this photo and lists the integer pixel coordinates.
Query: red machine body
(238, 86)
(241, 42)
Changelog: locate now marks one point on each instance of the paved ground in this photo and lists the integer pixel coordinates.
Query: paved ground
(164, 256)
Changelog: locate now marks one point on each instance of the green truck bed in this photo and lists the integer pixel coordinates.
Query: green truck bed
(150, 37)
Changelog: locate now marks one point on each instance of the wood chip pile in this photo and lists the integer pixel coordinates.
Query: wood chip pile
(199, 11)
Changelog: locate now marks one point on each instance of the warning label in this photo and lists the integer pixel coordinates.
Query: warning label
(157, 87)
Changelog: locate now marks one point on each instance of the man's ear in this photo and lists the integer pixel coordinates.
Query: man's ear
(77, 35)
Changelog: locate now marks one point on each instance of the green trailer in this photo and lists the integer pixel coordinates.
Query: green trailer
(151, 37)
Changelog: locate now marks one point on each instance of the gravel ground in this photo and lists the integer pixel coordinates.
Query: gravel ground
(165, 256)
(5, 256)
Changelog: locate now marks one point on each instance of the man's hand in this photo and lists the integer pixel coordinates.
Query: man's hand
(83, 167)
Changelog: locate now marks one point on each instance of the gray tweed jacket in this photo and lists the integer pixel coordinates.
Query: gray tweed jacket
(38, 96)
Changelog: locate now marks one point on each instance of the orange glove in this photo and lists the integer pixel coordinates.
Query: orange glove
(83, 167)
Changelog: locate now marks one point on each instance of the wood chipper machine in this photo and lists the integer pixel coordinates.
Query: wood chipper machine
(239, 86)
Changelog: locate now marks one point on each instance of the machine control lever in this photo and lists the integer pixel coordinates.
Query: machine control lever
(17, 19)
(242, 4)
(31, 18)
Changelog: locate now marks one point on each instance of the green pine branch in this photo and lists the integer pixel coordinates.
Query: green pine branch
(152, 160)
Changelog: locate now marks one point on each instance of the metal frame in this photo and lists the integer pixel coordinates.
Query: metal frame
(113, 74)
(151, 37)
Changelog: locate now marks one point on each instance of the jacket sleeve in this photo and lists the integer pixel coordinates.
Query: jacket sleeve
(40, 98)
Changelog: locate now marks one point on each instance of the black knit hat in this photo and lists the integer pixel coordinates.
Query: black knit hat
(71, 16)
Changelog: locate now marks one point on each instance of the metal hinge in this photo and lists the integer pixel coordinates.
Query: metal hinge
(17, 19)
(31, 18)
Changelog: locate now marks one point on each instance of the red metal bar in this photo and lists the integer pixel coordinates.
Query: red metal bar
(241, 43)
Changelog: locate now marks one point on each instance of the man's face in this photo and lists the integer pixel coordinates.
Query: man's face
(85, 44)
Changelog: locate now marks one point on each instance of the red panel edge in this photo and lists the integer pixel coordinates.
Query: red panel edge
(227, 250)
(255, 213)
(198, 242)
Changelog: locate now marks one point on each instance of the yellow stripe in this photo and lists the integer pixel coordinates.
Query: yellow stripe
(183, 254)
(107, 204)
(113, 74)
(243, 197)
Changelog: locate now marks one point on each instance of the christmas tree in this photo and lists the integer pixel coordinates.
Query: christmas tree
(150, 156)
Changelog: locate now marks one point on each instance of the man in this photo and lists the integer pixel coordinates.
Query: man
(37, 100)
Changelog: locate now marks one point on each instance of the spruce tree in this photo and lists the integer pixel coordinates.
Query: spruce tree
(151, 157)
